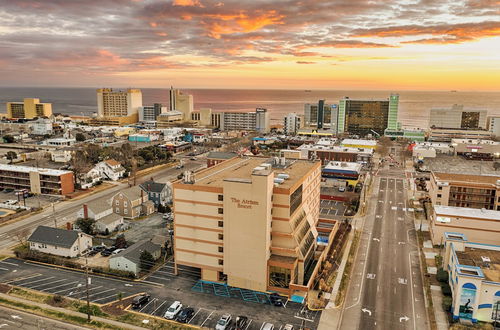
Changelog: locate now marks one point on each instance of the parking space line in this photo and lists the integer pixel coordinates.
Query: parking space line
(149, 303)
(194, 316)
(159, 278)
(208, 318)
(248, 324)
(58, 286)
(163, 303)
(94, 294)
(9, 263)
(39, 285)
(57, 292)
(281, 326)
(262, 325)
(103, 298)
(3, 268)
(25, 278)
(27, 283)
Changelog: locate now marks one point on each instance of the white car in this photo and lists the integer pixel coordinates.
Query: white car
(173, 310)
(223, 322)
(341, 188)
(267, 326)
(117, 251)
(10, 202)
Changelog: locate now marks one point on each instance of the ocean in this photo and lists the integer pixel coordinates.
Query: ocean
(414, 106)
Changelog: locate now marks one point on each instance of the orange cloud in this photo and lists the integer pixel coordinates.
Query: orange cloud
(242, 22)
(187, 3)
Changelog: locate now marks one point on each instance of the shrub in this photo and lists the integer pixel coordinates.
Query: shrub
(94, 310)
(445, 287)
(442, 275)
(447, 302)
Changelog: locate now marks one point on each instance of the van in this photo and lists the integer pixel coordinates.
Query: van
(173, 310)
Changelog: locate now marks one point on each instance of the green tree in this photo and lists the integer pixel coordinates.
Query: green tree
(86, 225)
(80, 137)
(11, 155)
(8, 138)
(146, 259)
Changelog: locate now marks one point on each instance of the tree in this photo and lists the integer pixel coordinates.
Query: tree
(120, 242)
(21, 236)
(80, 137)
(496, 166)
(86, 225)
(8, 138)
(146, 259)
(11, 155)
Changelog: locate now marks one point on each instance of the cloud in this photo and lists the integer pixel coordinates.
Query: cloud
(305, 62)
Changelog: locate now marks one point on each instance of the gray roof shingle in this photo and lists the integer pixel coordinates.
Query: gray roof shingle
(54, 236)
(151, 186)
(133, 252)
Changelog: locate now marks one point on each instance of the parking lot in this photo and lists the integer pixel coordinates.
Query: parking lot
(164, 288)
(331, 209)
(34, 201)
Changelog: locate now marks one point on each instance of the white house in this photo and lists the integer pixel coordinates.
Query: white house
(110, 169)
(102, 212)
(42, 126)
(89, 179)
(129, 260)
(60, 242)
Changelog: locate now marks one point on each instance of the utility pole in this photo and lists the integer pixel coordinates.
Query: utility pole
(87, 279)
(54, 215)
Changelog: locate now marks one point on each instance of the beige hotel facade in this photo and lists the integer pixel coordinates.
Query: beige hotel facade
(250, 222)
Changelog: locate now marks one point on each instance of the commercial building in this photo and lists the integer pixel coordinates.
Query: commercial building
(474, 278)
(476, 149)
(357, 143)
(335, 153)
(250, 222)
(448, 134)
(28, 109)
(206, 118)
(430, 149)
(463, 183)
(148, 113)
(363, 117)
(60, 142)
(292, 123)
(117, 107)
(344, 172)
(181, 102)
(250, 121)
(59, 242)
(42, 126)
(480, 225)
(321, 116)
(36, 180)
(168, 119)
(217, 157)
(493, 125)
(458, 118)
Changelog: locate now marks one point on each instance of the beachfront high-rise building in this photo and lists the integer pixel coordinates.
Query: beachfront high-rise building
(118, 107)
(262, 120)
(458, 118)
(181, 102)
(28, 109)
(250, 121)
(291, 124)
(494, 125)
(363, 117)
(150, 112)
(250, 222)
(321, 116)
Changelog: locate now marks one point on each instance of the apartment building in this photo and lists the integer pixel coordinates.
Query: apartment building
(251, 223)
(249, 121)
(321, 116)
(448, 134)
(36, 180)
(148, 113)
(117, 107)
(292, 123)
(28, 109)
(206, 118)
(474, 278)
(493, 125)
(181, 102)
(458, 118)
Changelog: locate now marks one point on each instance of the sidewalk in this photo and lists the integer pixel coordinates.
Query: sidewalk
(65, 311)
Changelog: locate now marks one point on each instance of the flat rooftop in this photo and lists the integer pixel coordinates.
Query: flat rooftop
(359, 142)
(474, 257)
(444, 164)
(319, 147)
(465, 212)
(242, 168)
(27, 169)
(345, 166)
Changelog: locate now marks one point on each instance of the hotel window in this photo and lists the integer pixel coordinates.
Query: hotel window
(221, 249)
(220, 210)
(440, 188)
(439, 195)
(220, 223)
(220, 197)
(125, 204)
(221, 262)
(221, 236)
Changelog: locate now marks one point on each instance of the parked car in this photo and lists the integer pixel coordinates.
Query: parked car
(341, 188)
(267, 326)
(173, 310)
(167, 216)
(117, 251)
(223, 322)
(8, 190)
(185, 315)
(179, 166)
(92, 252)
(140, 300)
(288, 327)
(108, 251)
(98, 248)
(276, 299)
(10, 202)
(193, 158)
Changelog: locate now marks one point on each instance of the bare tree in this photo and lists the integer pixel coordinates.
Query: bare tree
(21, 235)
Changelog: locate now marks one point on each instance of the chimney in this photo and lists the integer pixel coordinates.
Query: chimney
(85, 211)
(69, 226)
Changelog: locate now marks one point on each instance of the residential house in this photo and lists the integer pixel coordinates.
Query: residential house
(129, 260)
(60, 242)
(110, 169)
(89, 178)
(132, 202)
(101, 211)
(158, 193)
(61, 156)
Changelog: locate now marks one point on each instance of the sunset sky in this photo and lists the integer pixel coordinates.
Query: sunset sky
(285, 44)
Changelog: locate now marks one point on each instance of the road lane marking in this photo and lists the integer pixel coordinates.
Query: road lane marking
(366, 310)
(412, 295)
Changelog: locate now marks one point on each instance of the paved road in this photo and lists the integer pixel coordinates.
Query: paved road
(14, 319)
(65, 211)
(386, 289)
